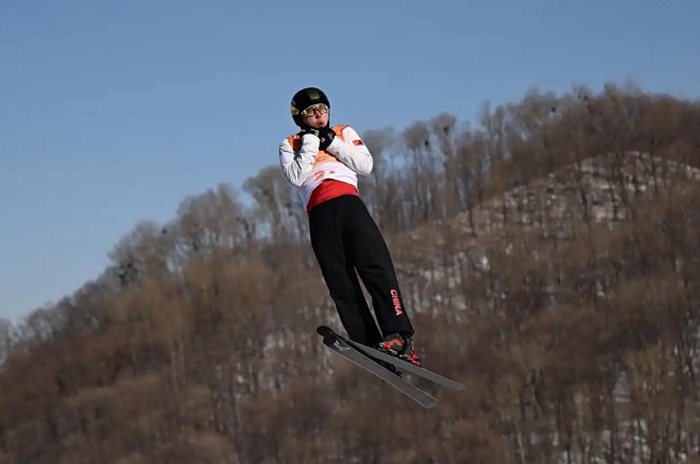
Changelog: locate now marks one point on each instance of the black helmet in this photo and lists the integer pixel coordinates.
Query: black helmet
(305, 98)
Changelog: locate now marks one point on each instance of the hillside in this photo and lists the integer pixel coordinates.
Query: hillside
(601, 192)
(574, 298)
(559, 289)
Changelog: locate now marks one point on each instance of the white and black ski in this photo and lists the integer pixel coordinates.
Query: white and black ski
(406, 366)
(339, 345)
(402, 365)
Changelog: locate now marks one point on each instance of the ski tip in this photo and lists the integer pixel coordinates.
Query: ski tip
(324, 330)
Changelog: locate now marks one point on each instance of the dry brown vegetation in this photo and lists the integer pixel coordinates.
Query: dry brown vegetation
(550, 252)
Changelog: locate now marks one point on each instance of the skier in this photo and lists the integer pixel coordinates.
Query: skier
(324, 161)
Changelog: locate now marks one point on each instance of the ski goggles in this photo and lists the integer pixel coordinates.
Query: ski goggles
(320, 108)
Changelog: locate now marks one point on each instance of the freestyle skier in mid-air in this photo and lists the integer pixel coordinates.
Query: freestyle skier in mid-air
(324, 161)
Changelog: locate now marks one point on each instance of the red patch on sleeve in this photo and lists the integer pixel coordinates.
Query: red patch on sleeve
(357, 142)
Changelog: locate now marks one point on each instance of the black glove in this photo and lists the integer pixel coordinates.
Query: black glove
(309, 130)
(326, 135)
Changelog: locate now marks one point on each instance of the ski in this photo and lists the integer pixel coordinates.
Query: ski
(339, 346)
(399, 363)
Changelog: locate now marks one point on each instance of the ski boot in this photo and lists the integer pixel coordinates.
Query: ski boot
(400, 346)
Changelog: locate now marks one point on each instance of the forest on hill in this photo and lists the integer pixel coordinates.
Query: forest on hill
(549, 252)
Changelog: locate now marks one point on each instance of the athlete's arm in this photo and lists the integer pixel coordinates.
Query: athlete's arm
(352, 152)
(297, 164)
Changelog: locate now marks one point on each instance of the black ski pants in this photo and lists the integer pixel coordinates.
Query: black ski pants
(345, 239)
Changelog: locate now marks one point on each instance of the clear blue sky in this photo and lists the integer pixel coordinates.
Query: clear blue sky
(112, 112)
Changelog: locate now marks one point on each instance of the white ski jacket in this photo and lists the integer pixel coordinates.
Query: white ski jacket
(307, 167)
